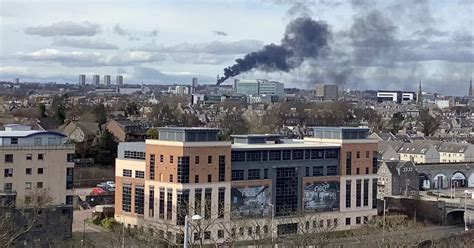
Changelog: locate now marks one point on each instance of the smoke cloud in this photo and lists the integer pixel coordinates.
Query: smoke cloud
(304, 38)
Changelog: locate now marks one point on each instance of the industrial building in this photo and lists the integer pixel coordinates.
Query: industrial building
(259, 87)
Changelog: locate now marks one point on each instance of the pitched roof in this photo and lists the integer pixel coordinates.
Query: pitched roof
(453, 147)
(395, 165)
(415, 148)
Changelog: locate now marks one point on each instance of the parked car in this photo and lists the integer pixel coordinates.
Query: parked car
(97, 191)
(110, 183)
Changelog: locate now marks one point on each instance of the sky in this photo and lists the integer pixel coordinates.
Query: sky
(384, 44)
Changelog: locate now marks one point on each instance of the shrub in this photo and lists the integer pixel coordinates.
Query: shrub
(108, 223)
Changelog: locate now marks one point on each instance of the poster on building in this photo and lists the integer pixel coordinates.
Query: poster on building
(321, 196)
(251, 201)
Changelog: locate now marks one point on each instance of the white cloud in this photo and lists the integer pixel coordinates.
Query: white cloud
(83, 43)
(66, 28)
(89, 59)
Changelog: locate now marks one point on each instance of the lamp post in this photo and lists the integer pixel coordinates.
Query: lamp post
(186, 227)
(465, 209)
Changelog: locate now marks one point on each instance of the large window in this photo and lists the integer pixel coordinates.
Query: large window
(238, 156)
(374, 193)
(274, 155)
(358, 192)
(69, 178)
(375, 162)
(286, 191)
(331, 153)
(139, 199)
(152, 166)
(182, 206)
(253, 155)
(139, 174)
(221, 168)
(237, 175)
(197, 201)
(366, 192)
(286, 154)
(8, 158)
(134, 155)
(317, 154)
(253, 174)
(331, 170)
(8, 172)
(318, 171)
(207, 203)
(183, 169)
(348, 163)
(161, 203)
(151, 201)
(221, 202)
(127, 198)
(169, 204)
(297, 154)
(127, 173)
(348, 193)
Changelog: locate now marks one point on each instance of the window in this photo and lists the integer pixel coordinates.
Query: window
(69, 178)
(183, 169)
(196, 160)
(348, 221)
(249, 231)
(348, 193)
(37, 141)
(220, 234)
(7, 187)
(221, 168)
(358, 192)
(161, 158)
(28, 171)
(221, 203)
(238, 156)
(40, 156)
(367, 170)
(367, 154)
(152, 167)
(317, 154)
(237, 175)
(139, 174)
(39, 185)
(358, 154)
(171, 159)
(374, 162)
(329, 222)
(348, 163)
(286, 154)
(357, 220)
(28, 185)
(274, 155)
(374, 193)
(318, 171)
(331, 153)
(151, 201)
(127, 173)
(169, 204)
(134, 155)
(209, 159)
(182, 207)
(40, 171)
(171, 178)
(161, 204)
(197, 201)
(331, 170)
(207, 203)
(265, 173)
(14, 141)
(357, 171)
(196, 178)
(264, 155)
(29, 157)
(321, 223)
(8, 158)
(335, 222)
(253, 174)
(8, 172)
(366, 192)
(253, 156)
(207, 235)
(209, 178)
(306, 171)
(297, 154)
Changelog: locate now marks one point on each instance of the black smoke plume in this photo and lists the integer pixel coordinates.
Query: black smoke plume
(304, 38)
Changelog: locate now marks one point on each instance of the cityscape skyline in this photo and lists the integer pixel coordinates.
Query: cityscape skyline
(425, 42)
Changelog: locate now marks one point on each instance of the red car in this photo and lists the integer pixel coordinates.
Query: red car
(97, 191)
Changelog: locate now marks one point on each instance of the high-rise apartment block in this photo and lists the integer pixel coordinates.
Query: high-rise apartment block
(32, 159)
(194, 85)
(323, 182)
(327, 92)
(119, 80)
(107, 80)
(82, 79)
(96, 80)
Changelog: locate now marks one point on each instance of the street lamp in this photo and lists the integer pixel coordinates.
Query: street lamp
(271, 224)
(465, 208)
(195, 217)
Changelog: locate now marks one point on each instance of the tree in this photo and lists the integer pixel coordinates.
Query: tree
(100, 114)
(233, 123)
(429, 123)
(131, 109)
(59, 109)
(42, 108)
(152, 133)
(396, 123)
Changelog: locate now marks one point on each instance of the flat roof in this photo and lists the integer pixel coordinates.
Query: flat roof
(28, 133)
(285, 145)
(187, 129)
(255, 135)
(340, 128)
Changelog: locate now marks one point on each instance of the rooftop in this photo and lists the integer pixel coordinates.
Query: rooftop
(24, 134)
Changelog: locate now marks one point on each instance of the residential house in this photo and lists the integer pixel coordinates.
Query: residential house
(419, 152)
(81, 131)
(397, 178)
(125, 130)
(456, 152)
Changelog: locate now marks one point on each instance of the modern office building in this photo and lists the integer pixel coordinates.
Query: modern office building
(96, 80)
(302, 183)
(259, 87)
(82, 80)
(119, 80)
(107, 80)
(327, 92)
(32, 159)
(396, 96)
